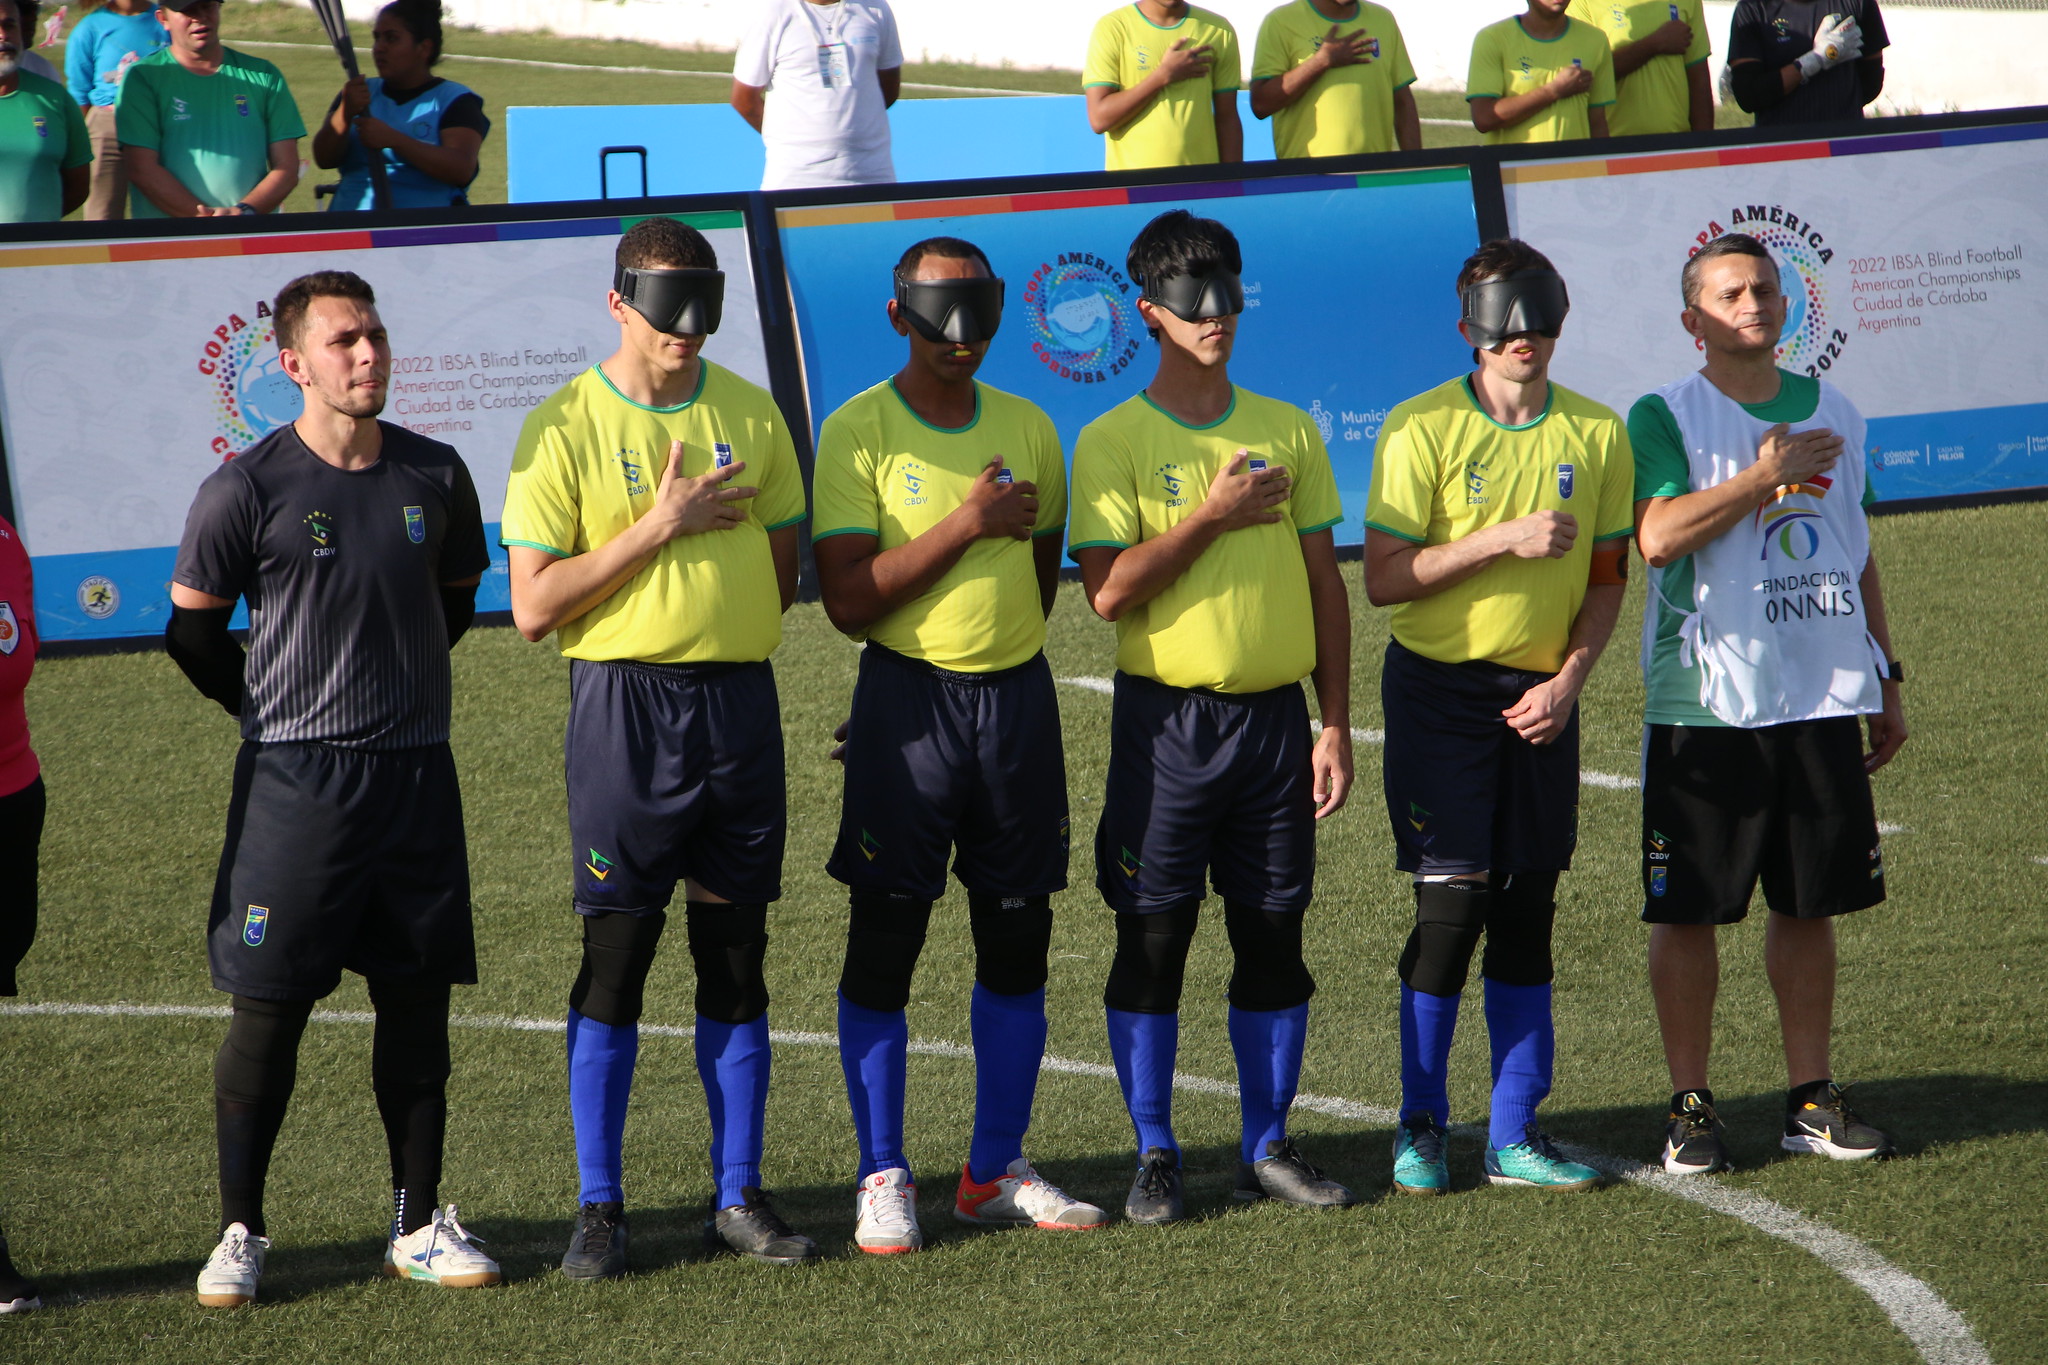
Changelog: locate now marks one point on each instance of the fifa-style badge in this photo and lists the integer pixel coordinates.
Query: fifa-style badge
(1004, 475)
(255, 924)
(10, 628)
(1255, 465)
(242, 105)
(41, 125)
(416, 525)
(1657, 881)
(1564, 481)
(721, 454)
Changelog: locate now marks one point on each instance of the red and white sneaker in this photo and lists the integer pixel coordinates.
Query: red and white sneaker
(1022, 1195)
(885, 1214)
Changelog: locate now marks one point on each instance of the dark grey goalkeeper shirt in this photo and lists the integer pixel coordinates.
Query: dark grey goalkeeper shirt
(342, 570)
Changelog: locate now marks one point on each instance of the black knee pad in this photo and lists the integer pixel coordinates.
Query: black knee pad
(1012, 939)
(1151, 959)
(1449, 917)
(884, 935)
(1518, 928)
(1266, 972)
(259, 1059)
(727, 942)
(617, 951)
(409, 1050)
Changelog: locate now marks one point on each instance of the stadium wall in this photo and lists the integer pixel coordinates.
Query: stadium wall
(1913, 246)
(1945, 57)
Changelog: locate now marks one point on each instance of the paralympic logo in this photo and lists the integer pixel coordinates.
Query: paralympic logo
(1811, 344)
(252, 395)
(1083, 325)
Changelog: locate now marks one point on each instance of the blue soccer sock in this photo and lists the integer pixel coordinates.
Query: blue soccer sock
(1428, 1023)
(874, 1047)
(1009, 1042)
(1144, 1047)
(601, 1058)
(1524, 1044)
(732, 1061)
(1268, 1046)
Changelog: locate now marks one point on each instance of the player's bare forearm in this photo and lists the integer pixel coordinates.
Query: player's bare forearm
(452, 161)
(891, 82)
(1592, 628)
(1116, 580)
(1045, 560)
(1271, 94)
(1669, 529)
(159, 186)
(76, 186)
(862, 583)
(1229, 129)
(782, 550)
(274, 188)
(748, 101)
(1492, 115)
(1699, 98)
(1407, 121)
(549, 592)
(1397, 570)
(1596, 122)
(1110, 108)
(1330, 609)
(1888, 727)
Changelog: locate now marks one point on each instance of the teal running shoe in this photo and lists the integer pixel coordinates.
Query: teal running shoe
(1419, 1164)
(1536, 1161)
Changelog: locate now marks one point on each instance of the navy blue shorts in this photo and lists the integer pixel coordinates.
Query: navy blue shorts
(675, 770)
(1465, 793)
(938, 761)
(1206, 785)
(340, 859)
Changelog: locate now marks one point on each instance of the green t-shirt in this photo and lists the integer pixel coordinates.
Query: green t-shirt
(42, 135)
(1663, 471)
(212, 132)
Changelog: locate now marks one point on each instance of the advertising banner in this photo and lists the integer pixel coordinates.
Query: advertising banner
(1914, 262)
(130, 370)
(1350, 303)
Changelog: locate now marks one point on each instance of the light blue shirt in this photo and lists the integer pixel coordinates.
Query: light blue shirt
(102, 48)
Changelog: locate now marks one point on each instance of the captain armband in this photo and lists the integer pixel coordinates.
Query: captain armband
(1609, 568)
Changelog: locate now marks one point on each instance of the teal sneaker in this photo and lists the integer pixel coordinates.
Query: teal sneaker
(1537, 1162)
(1419, 1164)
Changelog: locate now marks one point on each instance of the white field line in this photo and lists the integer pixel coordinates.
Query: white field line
(721, 75)
(1937, 1331)
(1612, 781)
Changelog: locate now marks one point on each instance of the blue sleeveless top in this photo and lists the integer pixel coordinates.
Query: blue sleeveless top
(411, 188)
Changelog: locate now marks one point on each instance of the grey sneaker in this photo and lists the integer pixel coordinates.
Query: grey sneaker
(597, 1248)
(1283, 1173)
(1156, 1195)
(754, 1229)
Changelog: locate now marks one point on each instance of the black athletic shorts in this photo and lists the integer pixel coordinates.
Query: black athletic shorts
(1206, 785)
(938, 760)
(21, 836)
(1786, 804)
(1465, 793)
(340, 858)
(674, 771)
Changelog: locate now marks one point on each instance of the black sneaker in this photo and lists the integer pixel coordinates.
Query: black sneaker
(597, 1249)
(1825, 1124)
(1692, 1138)
(17, 1292)
(754, 1229)
(1156, 1195)
(1283, 1173)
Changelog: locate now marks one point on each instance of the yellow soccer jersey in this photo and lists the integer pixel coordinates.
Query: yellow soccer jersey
(883, 471)
(1239, 619)
(1350, 108)
(1444, 469)
(1507, 61)
(587, 466)
(1655, 97)
(1178, 128)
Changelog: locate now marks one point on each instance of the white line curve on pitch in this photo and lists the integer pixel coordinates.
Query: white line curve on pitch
(1940, 1334)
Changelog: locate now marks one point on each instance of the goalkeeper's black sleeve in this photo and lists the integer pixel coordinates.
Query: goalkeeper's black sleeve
(1757, 87)
(1870, 78)
(198, 642)
(458, 608)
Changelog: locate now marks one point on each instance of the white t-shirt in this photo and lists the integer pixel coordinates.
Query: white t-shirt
(824, 123)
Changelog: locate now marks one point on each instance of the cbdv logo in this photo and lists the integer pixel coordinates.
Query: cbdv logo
(1811, 344)
(252, 395)
(1083, 325)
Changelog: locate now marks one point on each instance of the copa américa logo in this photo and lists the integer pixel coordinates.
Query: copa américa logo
(1811, 343)
(252, 395)
(1083, 324)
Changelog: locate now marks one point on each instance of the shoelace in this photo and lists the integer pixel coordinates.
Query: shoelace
(1155, 1178)
(445, 1224)
(1426, 1138)
(1698, 1121)
(1835, 1104)
(766, 1217)
(889, 1204)
(1291, 1154)
(235, 1249)
(595, 1232)
(1540, 1143)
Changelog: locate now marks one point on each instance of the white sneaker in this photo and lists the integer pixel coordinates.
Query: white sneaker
(228, 1280)
(440, 1253)
(1023, 1196)
(885, 1213)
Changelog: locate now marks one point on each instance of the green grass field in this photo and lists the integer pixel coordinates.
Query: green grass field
(315, 77)
(106, 1168)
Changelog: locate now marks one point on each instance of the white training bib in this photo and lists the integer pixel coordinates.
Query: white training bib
(1776, 626)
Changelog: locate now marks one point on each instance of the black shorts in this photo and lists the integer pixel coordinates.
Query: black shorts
(674, 771)
(938, 760)
(1786, 804)
(21, 836)
(1465, 793)
(340, 858)
(1204, 785)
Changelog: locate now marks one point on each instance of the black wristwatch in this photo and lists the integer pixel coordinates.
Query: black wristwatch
(248, 210)
(1896, 672)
